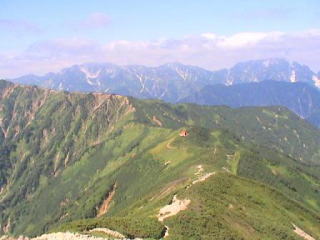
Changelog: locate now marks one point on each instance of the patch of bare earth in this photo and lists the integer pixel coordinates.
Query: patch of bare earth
(67, 236)
(173, 209)
(199, 171)
(106, 203)
(157, 121)
(203, 178)
(302, 233)
(8, 91)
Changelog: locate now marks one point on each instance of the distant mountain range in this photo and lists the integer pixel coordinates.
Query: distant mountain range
(169, 82)
(252, 83)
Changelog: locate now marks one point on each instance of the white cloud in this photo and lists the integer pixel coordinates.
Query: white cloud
(247, 38)
(207, 50)
(209, 35)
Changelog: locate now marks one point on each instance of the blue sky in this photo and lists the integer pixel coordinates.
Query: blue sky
(54, 28)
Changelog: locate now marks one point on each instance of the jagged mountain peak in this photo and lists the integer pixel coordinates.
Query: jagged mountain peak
(275, 69)
(275, 64)
(169, 82)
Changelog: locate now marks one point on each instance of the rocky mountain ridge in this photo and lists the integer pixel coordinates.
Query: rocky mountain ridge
(170, 82)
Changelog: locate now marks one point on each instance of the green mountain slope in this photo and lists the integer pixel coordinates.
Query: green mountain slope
(223, 207)
(74, 156)
(227, 207)
(301, 98)
(272, 127)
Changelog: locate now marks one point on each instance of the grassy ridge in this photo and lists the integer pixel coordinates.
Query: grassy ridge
(61, 153)
(271, 127)
(223, 207)
(228, 207)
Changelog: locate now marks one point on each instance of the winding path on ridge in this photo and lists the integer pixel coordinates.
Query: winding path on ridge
(169, 146)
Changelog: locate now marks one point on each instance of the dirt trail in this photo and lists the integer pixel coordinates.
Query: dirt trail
(173, 209)
(302, 233)
(203, 178)
(169, 146)
(106, 203)
(2, 189)
(200, 176)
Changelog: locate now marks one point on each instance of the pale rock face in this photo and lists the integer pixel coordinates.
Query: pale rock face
(316, 80)
(266, 63)
(293, 77)
(90, 74)
(60, 87)
(229, 82)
